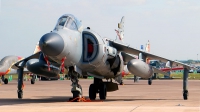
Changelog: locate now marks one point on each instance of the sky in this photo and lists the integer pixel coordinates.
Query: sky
(171, 26)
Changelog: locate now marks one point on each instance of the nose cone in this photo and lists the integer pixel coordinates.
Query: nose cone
(51, 44)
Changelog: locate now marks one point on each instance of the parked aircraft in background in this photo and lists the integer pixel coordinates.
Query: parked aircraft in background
(84, 52)
(7, 62)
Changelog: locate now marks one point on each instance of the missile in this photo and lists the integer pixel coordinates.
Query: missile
(140, 68)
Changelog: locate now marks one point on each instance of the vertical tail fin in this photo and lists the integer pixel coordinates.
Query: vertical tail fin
(148, 50)
(120, 31)
(148, 46)
(37, 48)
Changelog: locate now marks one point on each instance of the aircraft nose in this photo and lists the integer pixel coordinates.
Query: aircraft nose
(51, 44)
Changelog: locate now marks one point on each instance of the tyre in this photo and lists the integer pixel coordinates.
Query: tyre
(92, 92)
(185, 95)
(32, 81)
(102, 92)
(149, 81)
(20, 94)
(76, 94)
(5, 81)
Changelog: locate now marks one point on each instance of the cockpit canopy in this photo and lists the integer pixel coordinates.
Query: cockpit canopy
(68, 21)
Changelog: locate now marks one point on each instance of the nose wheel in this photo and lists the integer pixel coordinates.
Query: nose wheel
(76, 88)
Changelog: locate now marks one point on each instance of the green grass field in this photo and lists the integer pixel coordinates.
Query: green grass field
(192, 76)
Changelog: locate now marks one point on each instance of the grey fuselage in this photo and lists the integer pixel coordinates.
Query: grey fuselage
(83, 48)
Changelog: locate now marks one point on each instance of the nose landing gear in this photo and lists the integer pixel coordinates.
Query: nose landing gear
(76, 88)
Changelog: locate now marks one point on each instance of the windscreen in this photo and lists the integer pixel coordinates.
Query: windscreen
(62, 21)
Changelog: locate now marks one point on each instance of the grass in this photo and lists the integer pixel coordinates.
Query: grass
(192, 76)
(15, 77)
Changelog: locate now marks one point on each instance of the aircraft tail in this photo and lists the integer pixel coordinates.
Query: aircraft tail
(148, 50)
(37, 48)
(148, 46)
(120, 31)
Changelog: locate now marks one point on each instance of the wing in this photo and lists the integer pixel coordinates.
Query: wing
(124, 48)
(34, 56)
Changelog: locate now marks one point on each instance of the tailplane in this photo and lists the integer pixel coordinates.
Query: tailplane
(120, 31)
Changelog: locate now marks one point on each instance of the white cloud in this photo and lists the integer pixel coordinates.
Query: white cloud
(194, 8)
(128, 2)
(171, 2)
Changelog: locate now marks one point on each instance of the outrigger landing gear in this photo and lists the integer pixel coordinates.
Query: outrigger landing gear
(150, 81)
(76, 88)
(185, 83)
(97, 87)
(20, 80)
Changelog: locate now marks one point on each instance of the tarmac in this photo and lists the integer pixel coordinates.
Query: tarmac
(52, 96)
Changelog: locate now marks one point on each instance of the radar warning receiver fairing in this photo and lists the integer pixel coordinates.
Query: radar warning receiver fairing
(85, 53)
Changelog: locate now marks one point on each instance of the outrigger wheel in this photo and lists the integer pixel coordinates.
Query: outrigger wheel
(149, 81)
(20, 94)
(185, 94)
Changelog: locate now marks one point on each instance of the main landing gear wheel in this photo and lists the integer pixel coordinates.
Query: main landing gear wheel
(185, 95)
(149, 81)
(98, 87)
(5, 81)
(20, 94)
(102, 92)
(92, 92)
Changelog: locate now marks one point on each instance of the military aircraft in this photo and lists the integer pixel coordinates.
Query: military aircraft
(85, 53)
(7, 62)
(5, 68)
